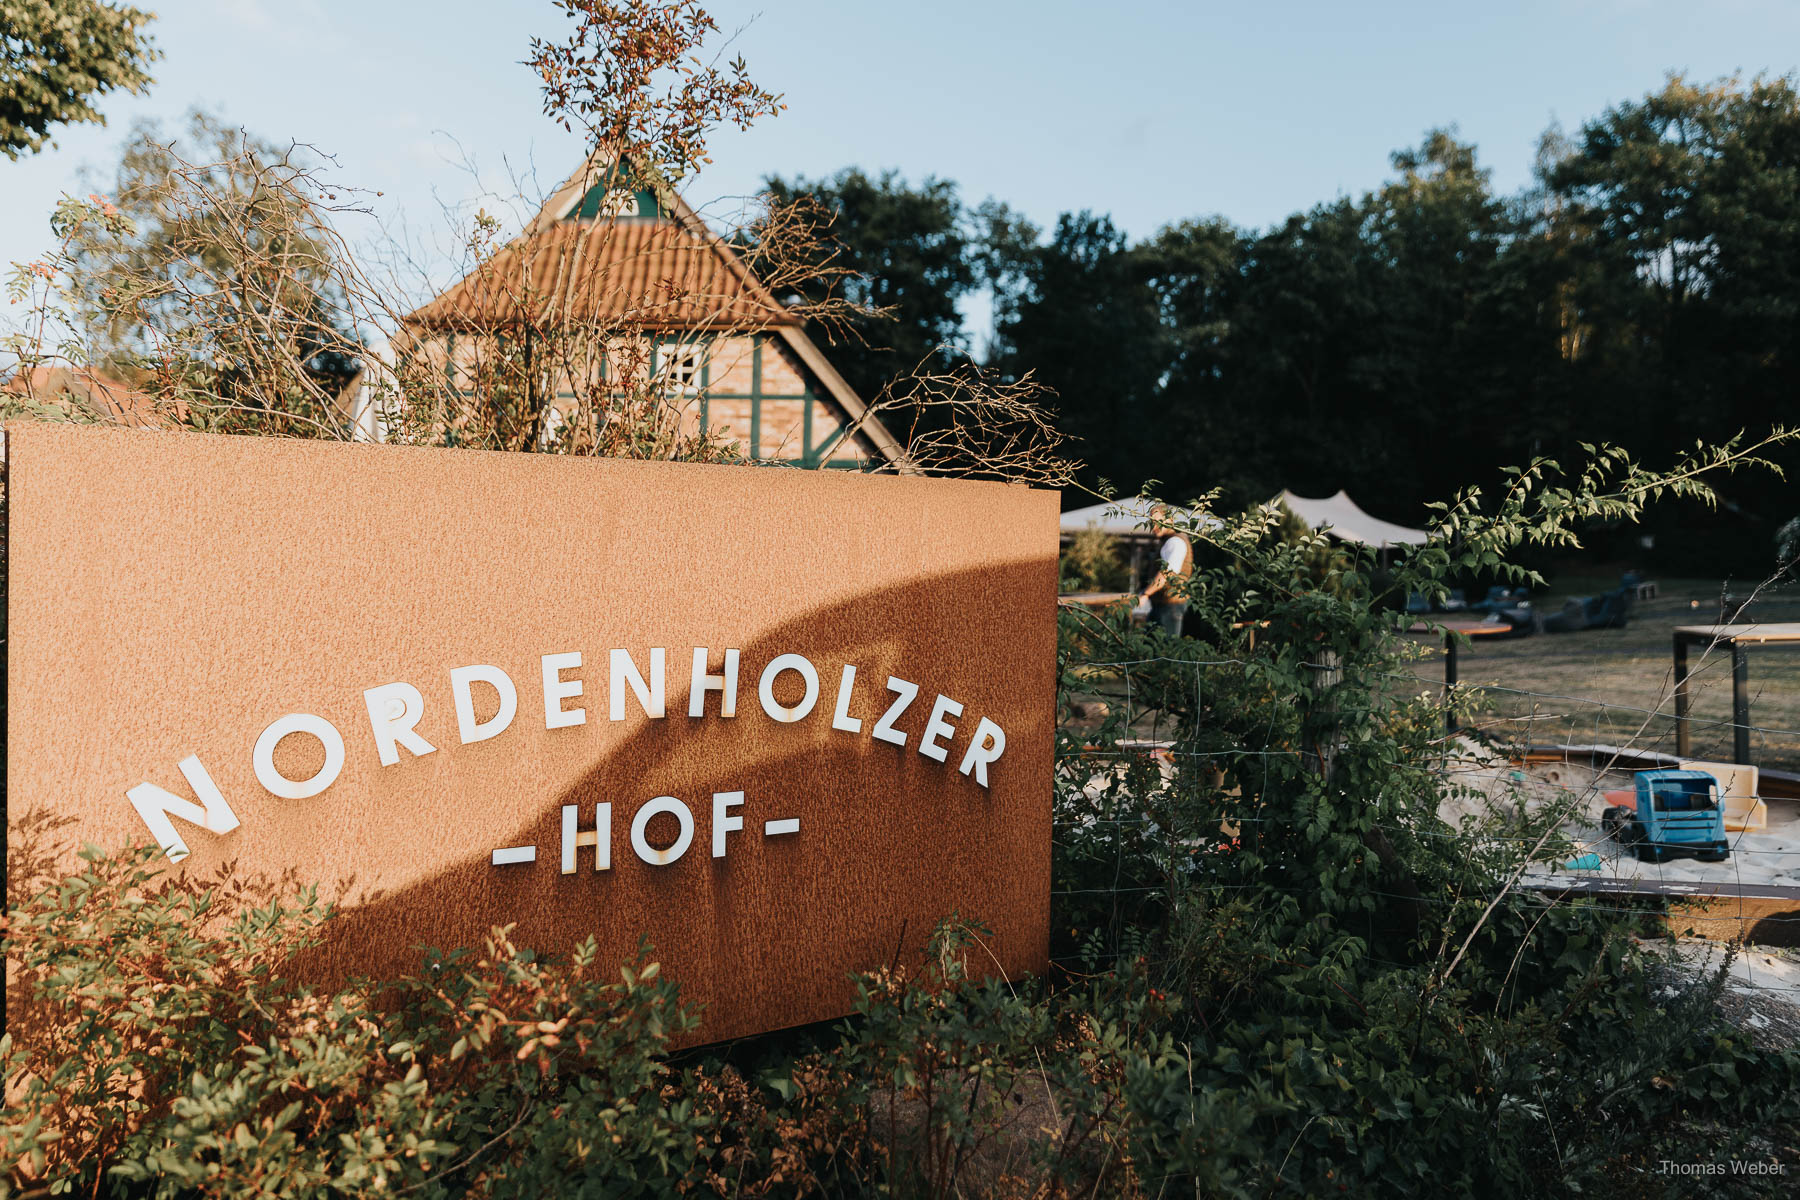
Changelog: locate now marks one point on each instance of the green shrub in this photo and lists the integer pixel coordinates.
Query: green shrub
(156, 1047)
(1092, 562)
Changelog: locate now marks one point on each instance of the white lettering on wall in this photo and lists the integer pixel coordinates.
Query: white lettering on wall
(642, 847)
(467, 727)
(649, 695)
(765, 688)
(156, 805)
(989, 743)
(277, 784)
(394, 709)
(599, 837)
(884, 729)
(557, 689)
(937, 727)
(574, 838)
(840, 716)
(722, 824)
(725, 684)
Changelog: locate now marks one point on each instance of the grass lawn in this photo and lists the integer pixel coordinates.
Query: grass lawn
(1614, 685)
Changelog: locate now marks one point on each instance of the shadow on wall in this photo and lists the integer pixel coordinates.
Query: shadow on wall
(889, 842)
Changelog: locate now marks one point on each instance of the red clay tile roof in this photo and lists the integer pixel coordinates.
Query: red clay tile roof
(612, 274)
(102, 392)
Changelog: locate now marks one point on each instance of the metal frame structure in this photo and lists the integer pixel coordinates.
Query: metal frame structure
(1739, 638)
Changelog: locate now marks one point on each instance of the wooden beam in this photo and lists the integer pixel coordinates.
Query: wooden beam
(847, 399)
(1756, 914)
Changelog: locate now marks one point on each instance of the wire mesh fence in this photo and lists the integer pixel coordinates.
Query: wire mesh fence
(1516, 753)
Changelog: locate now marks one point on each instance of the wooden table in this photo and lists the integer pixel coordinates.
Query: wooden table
(1739, 638)
(1093, 599)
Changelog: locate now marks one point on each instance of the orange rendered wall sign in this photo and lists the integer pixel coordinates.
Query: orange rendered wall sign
(778, 721)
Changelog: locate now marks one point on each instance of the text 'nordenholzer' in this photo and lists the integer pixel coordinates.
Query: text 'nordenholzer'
(395, 709)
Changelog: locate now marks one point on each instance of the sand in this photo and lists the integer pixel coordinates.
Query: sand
(1493, 792)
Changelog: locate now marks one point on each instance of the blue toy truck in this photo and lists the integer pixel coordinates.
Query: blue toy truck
(1678, 812)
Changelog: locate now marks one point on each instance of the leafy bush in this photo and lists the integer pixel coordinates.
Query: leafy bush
(1092, 563)
(155, 1048)
(1359, 975)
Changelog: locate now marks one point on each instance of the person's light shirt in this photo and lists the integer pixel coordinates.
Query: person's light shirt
(1174, 555)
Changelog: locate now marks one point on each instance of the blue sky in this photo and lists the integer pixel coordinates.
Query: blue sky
(1154, 112)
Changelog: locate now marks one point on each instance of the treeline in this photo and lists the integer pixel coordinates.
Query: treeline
(1645, 290)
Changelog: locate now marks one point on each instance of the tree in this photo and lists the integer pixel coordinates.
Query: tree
(1081, 312)
(1342, 348)
(1685, 208)
(57, 57)
(1347, 346)
(629, 74)
(1274, 407)
(911, 254)
(1448, 354)
(223, 288)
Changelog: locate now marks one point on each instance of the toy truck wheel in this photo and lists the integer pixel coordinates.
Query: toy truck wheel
(1716, 854)
(1647, 852)
(1623, 824)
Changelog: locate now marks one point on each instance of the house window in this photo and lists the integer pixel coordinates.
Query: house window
(683, 362)
(555, 419)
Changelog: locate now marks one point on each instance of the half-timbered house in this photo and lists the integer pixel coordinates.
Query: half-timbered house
(619, 253)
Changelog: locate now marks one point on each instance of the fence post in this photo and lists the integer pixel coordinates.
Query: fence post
(1740, 702)
(1450, 678)
(1322, 709)
(1683, 738)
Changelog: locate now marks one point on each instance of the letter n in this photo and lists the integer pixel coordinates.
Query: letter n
(156, 805)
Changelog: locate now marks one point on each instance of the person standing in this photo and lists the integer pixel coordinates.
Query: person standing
(1167, 592)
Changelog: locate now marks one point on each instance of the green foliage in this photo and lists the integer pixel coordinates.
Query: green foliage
(1361, 977)
(162, 1040)
(50, 286)
(913, 255)
(979, 1085)
(123, 983)
(57, 57)
(212, 285)
(1081, 311)
(1092, 563)
(222, 284)
(636, 75)
(1406, 341)
(1681, 217)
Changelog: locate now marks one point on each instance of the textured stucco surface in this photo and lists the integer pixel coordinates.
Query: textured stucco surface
(172, 594)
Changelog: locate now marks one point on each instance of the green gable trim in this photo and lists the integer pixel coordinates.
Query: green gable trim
(807, 454)
(588, 207)
(756, 396)
(705, 384)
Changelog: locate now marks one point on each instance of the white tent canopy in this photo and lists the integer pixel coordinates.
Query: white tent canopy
(1348, 521)
(1123, 518)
